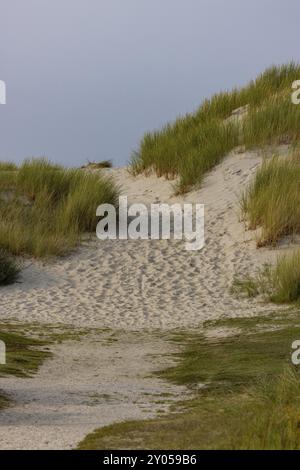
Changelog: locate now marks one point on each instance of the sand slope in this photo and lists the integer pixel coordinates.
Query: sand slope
(127, 285)
(137, 284)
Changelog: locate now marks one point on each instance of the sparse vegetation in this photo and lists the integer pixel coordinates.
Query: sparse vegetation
(193, 144)
(24, 355)
(9, 269)
(279, 283)
(98, 165)
(246, 394)
(49, 207)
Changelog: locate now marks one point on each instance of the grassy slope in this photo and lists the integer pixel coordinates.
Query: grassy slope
(251, 398)
(193, 144)
(44, 208)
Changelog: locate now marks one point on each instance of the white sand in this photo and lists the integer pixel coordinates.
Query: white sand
(129, 285)
(88, 384)
(137, 284)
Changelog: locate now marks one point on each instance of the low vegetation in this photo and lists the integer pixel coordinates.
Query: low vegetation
(194, 143)
(45, 208)
(279, 283)
(246, 393)
(9, 269)
(98, 165)
(272, 205)
(24, 355)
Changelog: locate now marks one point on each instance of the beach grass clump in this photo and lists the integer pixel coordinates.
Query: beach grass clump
(276, 121)
(284, 279)
(189, 147)
(272, 201)
(279, 283)
(50, 207)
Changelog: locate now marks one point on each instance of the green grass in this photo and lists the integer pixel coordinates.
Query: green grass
(8, 166)
(279, 283)
(285, 279)
(24, 355)
(193, 144)
(272, 201)
(246, 394)
(49, 207)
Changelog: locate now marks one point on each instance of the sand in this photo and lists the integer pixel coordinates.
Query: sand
(128, 286)
(151, 284)
(88, 384)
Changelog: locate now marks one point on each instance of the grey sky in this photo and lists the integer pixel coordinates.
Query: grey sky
(86, 78)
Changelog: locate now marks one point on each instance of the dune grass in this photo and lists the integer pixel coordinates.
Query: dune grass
(45, 208)
(279, 283)
(272, 201)
(8, 166)
(246, 394)
(285, 279)
(194, 143)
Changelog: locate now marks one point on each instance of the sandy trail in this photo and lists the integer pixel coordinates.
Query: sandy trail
(137, 284)
(129, 286)
(94, 382)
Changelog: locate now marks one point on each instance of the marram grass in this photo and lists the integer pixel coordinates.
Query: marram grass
(45, 208)
(193, 144)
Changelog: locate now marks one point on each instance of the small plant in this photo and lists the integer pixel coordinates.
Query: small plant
(8, 166)
(98, 165)
(9, 269)
(279, 283)
(246, 286)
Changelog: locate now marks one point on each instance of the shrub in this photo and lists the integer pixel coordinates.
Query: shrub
(9, 270)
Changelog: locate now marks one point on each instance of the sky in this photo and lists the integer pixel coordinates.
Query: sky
(85, 79)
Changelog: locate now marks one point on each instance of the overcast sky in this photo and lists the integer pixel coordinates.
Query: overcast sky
(86, 78)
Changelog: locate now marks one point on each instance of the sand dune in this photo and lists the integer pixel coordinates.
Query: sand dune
(154, 284)
(127, 285)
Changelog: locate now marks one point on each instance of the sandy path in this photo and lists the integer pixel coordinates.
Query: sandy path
(137, 284)
(87, 384)
(129, 285)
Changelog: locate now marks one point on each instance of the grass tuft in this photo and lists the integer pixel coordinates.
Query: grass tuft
(50, 207)
(273, 200)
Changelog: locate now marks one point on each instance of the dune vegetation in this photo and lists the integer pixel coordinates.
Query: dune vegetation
(9, 269)
(272, 204)
(272, 201)
(193, 144)
(45, 208)
(245, 393)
